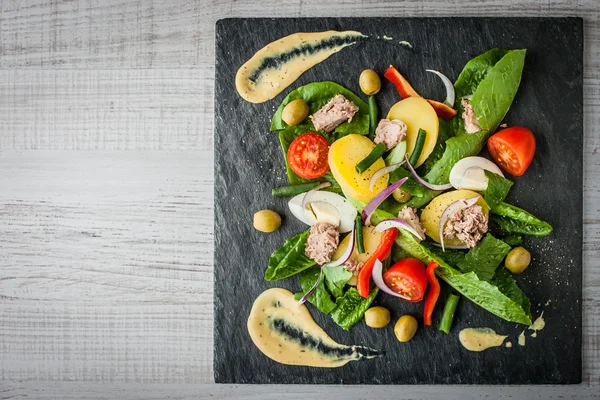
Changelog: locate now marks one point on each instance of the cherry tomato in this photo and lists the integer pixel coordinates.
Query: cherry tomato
(512, 149)
(307, 155)
(408, 278)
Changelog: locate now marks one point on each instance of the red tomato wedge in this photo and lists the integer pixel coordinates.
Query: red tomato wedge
(307, 156)
(383, 250)
(408, 278)
(512, 149)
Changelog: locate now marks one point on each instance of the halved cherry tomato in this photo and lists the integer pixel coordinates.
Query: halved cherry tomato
(512, 149)
(408, 278)
(432, 294)
(383, 250)
(307, 155)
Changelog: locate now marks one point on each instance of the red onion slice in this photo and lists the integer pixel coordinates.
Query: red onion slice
(450, 94)
(312, 289)
(451, 209)
(378, 279)
(397, 223)
(377, 200)
(344, 257)
(381, 172)
(424, 183)
(310, 193)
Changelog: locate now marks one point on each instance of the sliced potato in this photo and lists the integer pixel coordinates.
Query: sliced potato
(431, 215)
(371, 241)
(344, 154)
(417, 113)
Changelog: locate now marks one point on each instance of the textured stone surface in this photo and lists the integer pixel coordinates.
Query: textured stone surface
(249, 162)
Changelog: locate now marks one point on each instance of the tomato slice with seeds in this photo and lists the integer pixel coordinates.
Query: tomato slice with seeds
(307, 156)
(512, 149)
(407, 277)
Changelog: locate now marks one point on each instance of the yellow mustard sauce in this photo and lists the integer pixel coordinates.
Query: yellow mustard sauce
(479, 339)
(285, 332)
(277, 65)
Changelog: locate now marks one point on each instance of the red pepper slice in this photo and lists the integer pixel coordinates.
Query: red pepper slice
(385, 246)
(406, 90)
(432, 294)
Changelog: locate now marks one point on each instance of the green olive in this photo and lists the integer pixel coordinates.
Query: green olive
(401, 195)
(369, 82)
(377, 317)
(295, 112)
(517, 260)
(405, 328)
(266, 221)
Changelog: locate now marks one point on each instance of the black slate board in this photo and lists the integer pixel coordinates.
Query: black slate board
(249, 162)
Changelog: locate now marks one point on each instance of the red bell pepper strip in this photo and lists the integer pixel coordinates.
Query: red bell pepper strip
(406, 90)
(432, 294)
(364, 276)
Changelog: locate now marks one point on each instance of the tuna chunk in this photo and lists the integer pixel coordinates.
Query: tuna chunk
(390, 133)
(332, 114)
(409, 215)
(322, 242)
(353, 265)
(468, 225)
(471, 122)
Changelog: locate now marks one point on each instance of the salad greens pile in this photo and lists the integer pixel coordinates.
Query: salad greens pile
(492, 80)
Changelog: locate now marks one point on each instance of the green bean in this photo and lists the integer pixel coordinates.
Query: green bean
(448, 314)
(373, 117)
(293, 190)
(360, 244)
(371, 158)
(416, 153)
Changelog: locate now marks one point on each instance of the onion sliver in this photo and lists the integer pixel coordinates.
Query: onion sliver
(450, 95)
(344, 257)
(312, 289)
(378, 279)
(381, 172)
(377, 200)
(451, 209)
(308, 195)
(424, 183)
(396, 223)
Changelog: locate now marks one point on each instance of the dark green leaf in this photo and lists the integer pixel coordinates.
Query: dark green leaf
(335, 279)
(452, 257)
(513, 240)
(320, 298)
(351, 308)
(485, 258)
(289, 259)
(497, 189)
(476, 70)
(507, 285)
(513, 219)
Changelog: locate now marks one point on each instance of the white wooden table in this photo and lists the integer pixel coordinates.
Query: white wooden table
(106, 200)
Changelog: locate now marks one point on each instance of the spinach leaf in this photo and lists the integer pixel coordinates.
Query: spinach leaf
(289, 259)
(507, 285)
(320, 298)
(485, 258)
(351, 308)
(316, 95)
(513, 219)
(497, 189)
(493, 82)
(335, 279)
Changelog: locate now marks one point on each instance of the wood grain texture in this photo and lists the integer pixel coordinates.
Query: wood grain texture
(106, 255)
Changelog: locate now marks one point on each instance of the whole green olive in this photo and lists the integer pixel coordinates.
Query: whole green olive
(295, 112)
(267, 221)
(401, 195)
(369, 82)
(405, 328)
(377, 317)
(517, 260)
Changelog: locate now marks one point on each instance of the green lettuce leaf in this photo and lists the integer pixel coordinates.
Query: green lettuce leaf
(513, 240)
(351, 308)
(484, 258)
(336, 279)
(513, 219)
(316, 95)
(504, 281)
(289, 259)
(320, 298)
(476, 70)
(497, 189)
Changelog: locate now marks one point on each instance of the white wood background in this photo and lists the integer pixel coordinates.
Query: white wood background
(106, 200)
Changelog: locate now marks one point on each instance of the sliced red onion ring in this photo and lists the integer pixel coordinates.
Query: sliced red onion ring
(450, 95)
(312, 289)
(378, 279)
(424, 183)
(397, 223)
(451, 209)
(377, 200)
(453, 247)
(344, 257)
(381, 172)
(310, 193)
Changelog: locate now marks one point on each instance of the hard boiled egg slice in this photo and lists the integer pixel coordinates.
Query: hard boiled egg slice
(325, 207)
(469, 173)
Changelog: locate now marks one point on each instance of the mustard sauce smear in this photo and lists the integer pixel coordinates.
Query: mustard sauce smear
(479, 339)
